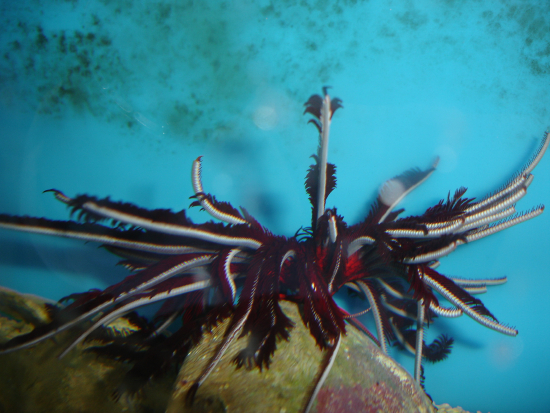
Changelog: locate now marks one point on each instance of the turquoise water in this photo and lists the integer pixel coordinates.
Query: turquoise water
(119, 97)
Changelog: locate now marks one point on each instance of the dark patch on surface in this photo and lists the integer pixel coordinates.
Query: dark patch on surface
(41, 41)
(184, 115)
(385, 31)
(268, 11)
(537, 68)
(311, 46)
(55, 70)
(97, 67)
(530, 23)
(100, 65)
(163, 12)
(412, 19)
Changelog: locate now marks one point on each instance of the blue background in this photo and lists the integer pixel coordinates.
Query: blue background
(119, 97)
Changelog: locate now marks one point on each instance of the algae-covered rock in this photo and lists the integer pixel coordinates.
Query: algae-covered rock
(35, 380)
(446, 408)
(361, 380)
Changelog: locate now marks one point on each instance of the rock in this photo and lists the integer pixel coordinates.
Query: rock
(35, 380)
(361, 380)
(446, 408)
